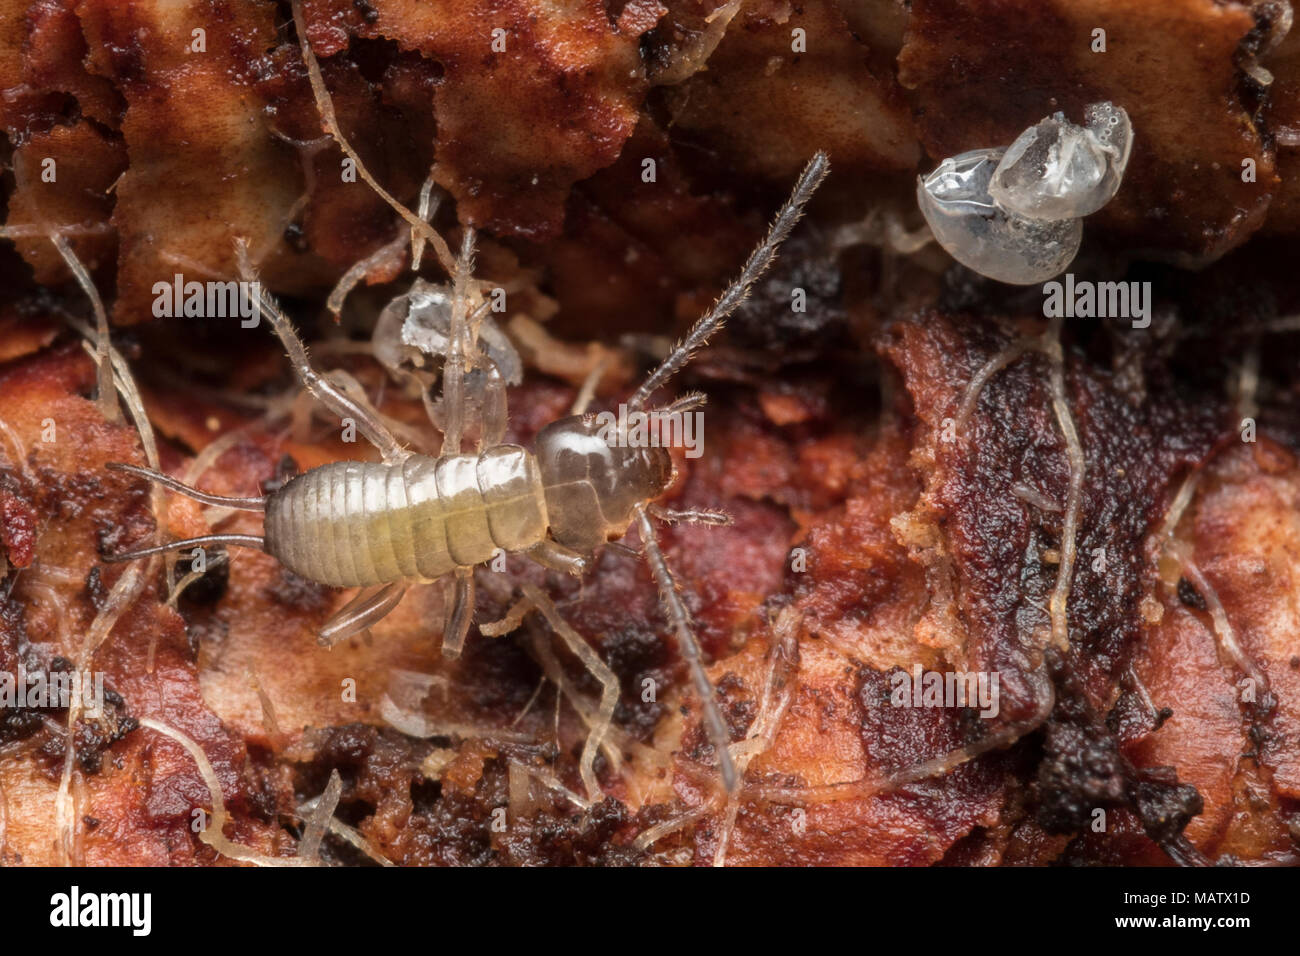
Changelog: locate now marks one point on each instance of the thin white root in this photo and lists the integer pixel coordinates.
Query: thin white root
(349, 835)
(19, 452)
(1143, 694)
(693, 57)
(269, 722)
(537, 692)
(1034, 497)
(598, 669)
(426, 210)
(122, 595)
(649, 837)
(108, 404)
(883, 228)
(520, 776)
(997, 740)
(564, 360)
(422, 728)
(353, 389)
(613, 742)
(75, 231)
(1248, 383)
(209, 456)
(1174, 514)
(510, 623)
(589, 384)
(1224, 633)
(1167, 545)
(1050, 345)
(175, 596)
(325, 104)
(874, 785)
(213, 834)
(384, 255)
(971, 397)
(773, 703)
(319, 817)
(1074, 497)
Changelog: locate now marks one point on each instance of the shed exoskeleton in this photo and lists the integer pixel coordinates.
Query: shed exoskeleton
(408, 518)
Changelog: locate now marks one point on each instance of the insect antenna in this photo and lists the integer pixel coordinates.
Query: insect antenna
(738, 291)
(238, 540)
(679, 617)
(221, 501)
(685, 403)
(689, 648)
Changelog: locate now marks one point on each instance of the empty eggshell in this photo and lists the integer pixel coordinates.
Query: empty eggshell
(985, 237)
(1057, 170)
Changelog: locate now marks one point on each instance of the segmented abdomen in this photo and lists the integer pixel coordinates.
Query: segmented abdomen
(353, 523)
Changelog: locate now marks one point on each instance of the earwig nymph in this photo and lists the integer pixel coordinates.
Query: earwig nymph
(411, 518)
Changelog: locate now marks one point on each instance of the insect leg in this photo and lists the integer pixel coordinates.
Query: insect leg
(453, 369)
(736, 293)
(460, 612)
(492, 430)
(689, 648)
(556, 557)
(363, 611)
(321, 388)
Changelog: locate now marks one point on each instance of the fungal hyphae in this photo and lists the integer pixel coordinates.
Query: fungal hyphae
(1015, 214)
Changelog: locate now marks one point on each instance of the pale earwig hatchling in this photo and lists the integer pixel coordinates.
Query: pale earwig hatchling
(412, 518)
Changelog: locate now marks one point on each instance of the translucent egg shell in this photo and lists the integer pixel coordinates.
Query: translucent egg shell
(415, 327)
(981, 235)
(1056, 170)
